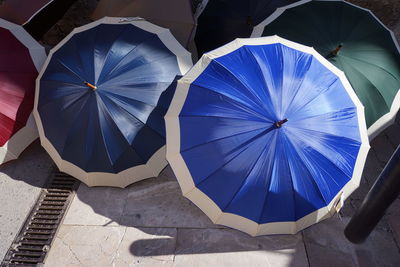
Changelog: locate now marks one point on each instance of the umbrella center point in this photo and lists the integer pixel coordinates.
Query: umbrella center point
(334, 52)
(249, 21)
(91, 86)
(280, 123)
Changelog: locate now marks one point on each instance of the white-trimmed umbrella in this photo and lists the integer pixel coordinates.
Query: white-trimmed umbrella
(21, 59)
(266, 136)
(97, 100)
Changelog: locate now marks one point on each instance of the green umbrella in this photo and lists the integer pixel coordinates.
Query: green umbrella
(356, 42)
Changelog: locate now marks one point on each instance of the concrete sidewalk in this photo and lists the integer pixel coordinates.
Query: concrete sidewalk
(20, 184)
(151, 224)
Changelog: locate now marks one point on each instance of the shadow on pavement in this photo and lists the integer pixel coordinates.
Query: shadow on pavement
(32, 167)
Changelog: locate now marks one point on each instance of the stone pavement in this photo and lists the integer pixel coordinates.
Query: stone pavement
(151, 224)
(20, 184)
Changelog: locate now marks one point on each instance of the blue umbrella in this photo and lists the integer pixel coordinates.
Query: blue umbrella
(266, 136)
(97, 100)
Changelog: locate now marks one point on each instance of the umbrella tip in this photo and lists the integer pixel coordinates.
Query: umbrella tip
(280, 123)
(334, 52)
(93, 87)
(249, 21)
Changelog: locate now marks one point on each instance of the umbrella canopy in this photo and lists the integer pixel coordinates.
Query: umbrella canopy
(37, 16)
(224, 20)
(96, 93)
(21, 58)
(356, 42)
(266, 136)
(175, 15)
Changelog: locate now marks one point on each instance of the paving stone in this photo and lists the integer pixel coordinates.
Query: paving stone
(85, 246)
(96, 206)
(159, 203)
(393, 218)
(146, 247)
(227, 247)
(155, 202)
(327, 257)
(383, 148)
(373, 167)
(112, 246)
(393, 134)
(20, 184)
(326, 238)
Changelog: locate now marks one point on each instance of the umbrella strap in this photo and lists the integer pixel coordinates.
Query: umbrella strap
(339, 203)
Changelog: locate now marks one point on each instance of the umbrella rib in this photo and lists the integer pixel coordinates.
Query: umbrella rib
(109, 49)
(369, 81)
(328, 134)
(313, 99)
(240, 152)
(299, 152)
(61, 82)
(147, 63)
(259, 69)
(219, 139)
(242, 83)
(291, 177)
(320, 153)
(242, 106)
(130, 51)
(69, 69)
(224, 117)
(247, 175)
(301, 83)
(268, 186)
(309, 174)
(144, 123)
(371, 63)
(101, 102)
(70, 129)
(113, 95)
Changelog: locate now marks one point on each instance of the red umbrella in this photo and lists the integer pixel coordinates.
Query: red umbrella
(21, 58)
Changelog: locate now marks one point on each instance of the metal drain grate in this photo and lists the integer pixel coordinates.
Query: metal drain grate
(33, 241)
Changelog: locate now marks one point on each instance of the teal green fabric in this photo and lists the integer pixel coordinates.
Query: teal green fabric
(368, 56)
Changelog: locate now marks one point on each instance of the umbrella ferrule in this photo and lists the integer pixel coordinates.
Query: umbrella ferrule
(93, 87)
(280, 123)
(249, 21)
(337, 49)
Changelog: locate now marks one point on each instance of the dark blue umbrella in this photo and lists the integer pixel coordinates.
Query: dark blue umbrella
(97, 100)
(266, 136)
(224, 20)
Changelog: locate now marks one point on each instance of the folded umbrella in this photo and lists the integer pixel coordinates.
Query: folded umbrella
(95, 97)
(21, 58)
(266, 136)
(222, 21)
(356, 42)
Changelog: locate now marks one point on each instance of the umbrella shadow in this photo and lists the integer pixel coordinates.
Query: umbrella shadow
(169, 224)
(32, 167)
(172, 225)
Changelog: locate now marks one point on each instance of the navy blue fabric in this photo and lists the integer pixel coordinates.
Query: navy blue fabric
(247, 165)
(225, 20)
(119, 125)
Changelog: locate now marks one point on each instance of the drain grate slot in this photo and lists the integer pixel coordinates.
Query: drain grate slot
(32, 243)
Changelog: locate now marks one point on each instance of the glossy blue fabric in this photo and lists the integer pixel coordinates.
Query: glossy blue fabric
(246, 164)
(120, 124)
